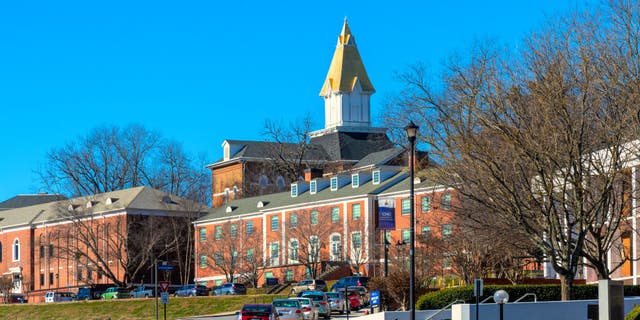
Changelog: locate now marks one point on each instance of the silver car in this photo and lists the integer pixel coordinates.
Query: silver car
(308, 309)
(320, 301)
(288, 309)
(337, 302)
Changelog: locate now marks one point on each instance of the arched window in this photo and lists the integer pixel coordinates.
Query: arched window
(16, 250)
(280, 183)
(263, 181)
(336, 247)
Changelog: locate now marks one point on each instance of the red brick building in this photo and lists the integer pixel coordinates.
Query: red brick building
(66, 244)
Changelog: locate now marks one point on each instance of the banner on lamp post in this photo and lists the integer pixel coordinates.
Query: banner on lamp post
(386, 214)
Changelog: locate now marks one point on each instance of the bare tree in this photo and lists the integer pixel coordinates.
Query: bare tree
(311, 239)
(525, 135)
(253, 263)
(224, 252)
(6, 287)
(290, 146)
(110, 158)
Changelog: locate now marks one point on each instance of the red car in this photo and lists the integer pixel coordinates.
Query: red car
(356, 301)
(258, 311)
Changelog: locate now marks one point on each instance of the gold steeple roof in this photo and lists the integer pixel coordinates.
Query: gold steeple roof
(346, 66)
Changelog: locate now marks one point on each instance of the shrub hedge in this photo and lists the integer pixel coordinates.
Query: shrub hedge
(441, 298)
(634, 314)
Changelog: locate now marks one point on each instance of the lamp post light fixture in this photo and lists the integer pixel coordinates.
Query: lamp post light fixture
(412, 130)
(501, 297)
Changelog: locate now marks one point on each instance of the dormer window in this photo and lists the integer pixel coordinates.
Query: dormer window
(261, 204)
(355, 180)
(314, 186)
(294, 190)
(72, 207)
(110, 200)
(375, 176)
(334, 183)
(229, 209)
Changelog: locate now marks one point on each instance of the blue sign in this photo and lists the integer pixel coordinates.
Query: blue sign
(386, 218)
(165, 267)
(374, 298)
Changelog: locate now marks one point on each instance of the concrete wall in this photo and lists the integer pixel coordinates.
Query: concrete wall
(548, 310)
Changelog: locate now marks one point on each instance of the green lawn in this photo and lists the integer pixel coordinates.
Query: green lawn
(130, 308)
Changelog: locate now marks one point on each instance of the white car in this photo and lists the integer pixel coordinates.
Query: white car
(51, 296)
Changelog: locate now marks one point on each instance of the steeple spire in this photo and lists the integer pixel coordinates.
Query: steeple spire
(347, 88)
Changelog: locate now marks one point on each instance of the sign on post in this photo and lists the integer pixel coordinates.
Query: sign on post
(164, 297)
(386, 214)
(374, 298)
(164, 285)
(165, 267)
(477, 287)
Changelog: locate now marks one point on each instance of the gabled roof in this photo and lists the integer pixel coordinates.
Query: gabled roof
(140, 199)
(25, 200)
(283, 200)
(266, 149)
(346, 66)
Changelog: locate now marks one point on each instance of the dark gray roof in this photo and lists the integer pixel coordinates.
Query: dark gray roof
(26, 200)
(379, 158)
(351, 145)
(264, 149)
(274, 201)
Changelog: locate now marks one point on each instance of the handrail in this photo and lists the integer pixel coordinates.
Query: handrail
(485, 300)
(535, 298)
(443, 309)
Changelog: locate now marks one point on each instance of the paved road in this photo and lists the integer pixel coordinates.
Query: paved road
(354, 314)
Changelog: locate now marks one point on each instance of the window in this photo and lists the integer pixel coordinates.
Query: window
(51, 250)
(288, 275)
(446, 230)
(250, 228)
(16, 250)
(42, 279)
(234, 257)
(203, 234)
(314, 248)
(226, 195)
(275, 253)
(406, 206)
(355, 211)
(313, 186)
(263, 181)
(335, 214)
(89, 273)
(293, 220)
(446, 263)
(42, 251)
(99, 274)
(51, 277)
(274, 223)
(294, 190)
(376, 177)
(218, 232)
(406, 235)
(293, 250)
(234, 231)
(79, 275)
(356, 240)
(314, 217)
(218, 258)
(335, 247)
(355, 180)
(334, 183)
(426, 231)
(218, 282)
(280, 183)
(250, 254)
(426, 203)
(445, 201)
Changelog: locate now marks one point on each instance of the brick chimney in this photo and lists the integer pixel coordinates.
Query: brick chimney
(310, 174)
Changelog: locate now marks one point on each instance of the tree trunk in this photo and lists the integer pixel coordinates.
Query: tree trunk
(566, 287)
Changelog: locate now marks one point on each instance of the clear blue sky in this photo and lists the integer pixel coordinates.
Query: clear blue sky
(200, 72)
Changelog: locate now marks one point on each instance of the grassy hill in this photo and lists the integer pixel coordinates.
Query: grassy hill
(130, 308)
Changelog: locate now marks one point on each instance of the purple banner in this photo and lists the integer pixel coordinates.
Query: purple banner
(386, 218)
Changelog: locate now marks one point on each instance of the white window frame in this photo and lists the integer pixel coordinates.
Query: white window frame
(16, 250)
(375, 177)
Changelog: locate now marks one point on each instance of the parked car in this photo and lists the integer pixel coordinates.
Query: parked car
(337, 302)
(351, 281)
(17, 298)
(309, 284)
(230, 288)
(61, 296)
(308, 309)
(364, 293)
(142, 292)
(93, 292)
(115, 293)
(320, 301)
(288, 309)
(191, 290)
(356, 301)
(258, 311)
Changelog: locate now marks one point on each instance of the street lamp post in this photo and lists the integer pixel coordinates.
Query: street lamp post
(412, 130)
(501, 297)
(386, 255)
